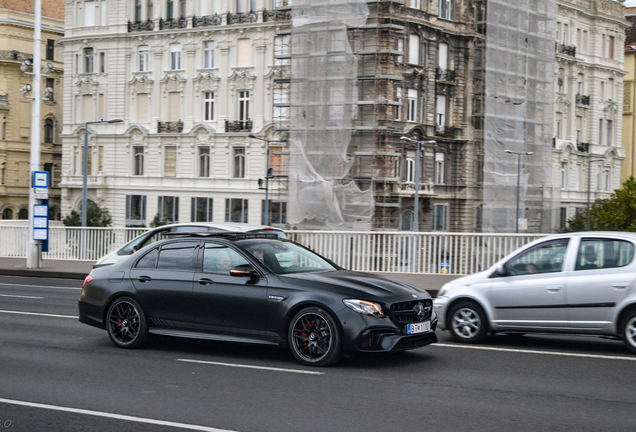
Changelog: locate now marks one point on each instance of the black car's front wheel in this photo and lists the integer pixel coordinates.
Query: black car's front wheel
(314, 337)
(126, 323)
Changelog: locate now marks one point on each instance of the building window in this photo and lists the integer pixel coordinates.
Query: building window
(610, 89)
(611, 47)
(135, 210)
(606, 175)
(411, 105)
(563, 219)
(4, 130)
(7, 213)
(444, 9)
(143, 59)
(182, 8)
(439, 168)
(440, 215)
(564, 175)
(442, 56)
(88, 60)
(277, 213)
(600, 131)
(236, 210)
(89, 14)
(170, 10)
(201, 209)
(208, 55)
(175, 56)
(50, 49)
(102, 62)
(414, 49)
(138, 162)
(244, 105)
(398, 99)
(150, 9)
(410, 170)
(610, 132)
(415, 4)
(204, 161)
(50, 87)
(168, 209)
(170, 161)
(137, 11)
(239, 163)
(23, 214)
(208, 106)
(48, 131)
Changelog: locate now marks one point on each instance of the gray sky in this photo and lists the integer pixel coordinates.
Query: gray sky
(629, 3)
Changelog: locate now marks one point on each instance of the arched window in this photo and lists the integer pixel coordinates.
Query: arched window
(23, 214)
(7, 213)
(48, 131)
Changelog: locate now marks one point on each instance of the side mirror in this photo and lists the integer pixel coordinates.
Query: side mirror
(244, 270)
(500, 271)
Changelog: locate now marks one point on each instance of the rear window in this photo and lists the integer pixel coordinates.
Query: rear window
(279, 233)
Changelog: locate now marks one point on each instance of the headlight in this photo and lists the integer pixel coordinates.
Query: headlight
(445, 288)
(365, 307)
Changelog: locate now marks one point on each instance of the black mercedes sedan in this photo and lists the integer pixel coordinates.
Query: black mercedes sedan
(255, 289)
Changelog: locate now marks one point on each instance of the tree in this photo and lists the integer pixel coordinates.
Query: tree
(97, 216)
(616, 213)
(158, 221)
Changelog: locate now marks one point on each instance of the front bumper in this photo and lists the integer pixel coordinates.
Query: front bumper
(363, 333)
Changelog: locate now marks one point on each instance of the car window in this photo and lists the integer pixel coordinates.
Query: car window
(149, 260)
(544, 258)
(286, 257)
(193, 229)
(144, 240)
(177, 256)
(220, 259)
(603, 253)
(279, 233)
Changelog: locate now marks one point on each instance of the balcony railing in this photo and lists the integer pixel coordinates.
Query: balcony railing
(566, 49)
(276, 15)
(582, 100)
(148, 25)
(445, 75)
(408, 189)
(15, 55)
(241, 18)
(206, 21)
(238, 126)
(445, 131)
(583, 147)
(173, 23)
(169, 126)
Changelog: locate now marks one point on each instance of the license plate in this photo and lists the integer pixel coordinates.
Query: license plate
(418, 328)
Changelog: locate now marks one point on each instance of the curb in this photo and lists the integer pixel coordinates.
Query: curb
(50, 274)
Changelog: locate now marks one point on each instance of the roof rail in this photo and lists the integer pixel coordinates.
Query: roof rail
(229, 235)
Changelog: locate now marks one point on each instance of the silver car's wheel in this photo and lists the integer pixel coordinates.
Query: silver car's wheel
(468, 322)
(629, 331)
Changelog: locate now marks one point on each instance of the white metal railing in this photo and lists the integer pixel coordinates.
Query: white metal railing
(394, 252)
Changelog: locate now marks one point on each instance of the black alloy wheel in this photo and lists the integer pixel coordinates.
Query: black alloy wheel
(467, 322)
(126, 323)
(314, 337)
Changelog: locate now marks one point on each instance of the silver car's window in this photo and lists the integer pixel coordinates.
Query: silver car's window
(603, 253)
(220, 259)
(544, 258)
(144, 240)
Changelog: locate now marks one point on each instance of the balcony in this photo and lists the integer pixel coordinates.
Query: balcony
(444, 75)
(170, 127)
(206, 21)
(568, 50)
(582, 100)
(408, 189)
(445, 131)
(238, 126)
(583, 147)
(276, 15)
(141, 26)
(173, 23)
(241, 18)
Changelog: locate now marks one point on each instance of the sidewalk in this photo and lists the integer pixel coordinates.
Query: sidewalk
(66, 269)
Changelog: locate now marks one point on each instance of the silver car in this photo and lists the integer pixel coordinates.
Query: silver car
(579, 283)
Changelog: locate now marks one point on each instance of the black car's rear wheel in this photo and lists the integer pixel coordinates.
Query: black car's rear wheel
(314, 337)
(126, 323)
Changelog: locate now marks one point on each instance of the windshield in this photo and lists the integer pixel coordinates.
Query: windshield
(285, 257)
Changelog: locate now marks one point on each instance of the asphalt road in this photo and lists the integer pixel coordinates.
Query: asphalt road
(57, 374)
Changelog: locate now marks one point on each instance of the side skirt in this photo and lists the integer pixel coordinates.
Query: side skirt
(208, 336)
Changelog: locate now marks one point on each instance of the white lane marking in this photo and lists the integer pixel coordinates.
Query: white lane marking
(536, 352)
(38, 314)
(114, 416)
(40, 286)
(18, 296)
(251, 367)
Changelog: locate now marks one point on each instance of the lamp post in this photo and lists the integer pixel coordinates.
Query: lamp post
(416, 205)
(519, 154)
(85, 165)
(589, 177)
(267, 175)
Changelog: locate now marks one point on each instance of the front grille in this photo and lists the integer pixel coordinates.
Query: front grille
(404, 313)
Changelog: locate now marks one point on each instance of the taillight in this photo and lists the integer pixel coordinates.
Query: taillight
(87, 280)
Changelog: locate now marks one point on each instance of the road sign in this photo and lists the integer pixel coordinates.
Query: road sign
(40, 179)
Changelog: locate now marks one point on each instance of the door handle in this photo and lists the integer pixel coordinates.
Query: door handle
(143, 279)
(620, 285)
(206, 281)
(553, 288)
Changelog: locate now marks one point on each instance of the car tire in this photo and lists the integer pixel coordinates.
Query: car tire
(467, 322)
(126, 323)
(628, 331)
(314, 337)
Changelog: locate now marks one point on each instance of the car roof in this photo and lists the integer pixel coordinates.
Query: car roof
(225, 235)
(226, 226)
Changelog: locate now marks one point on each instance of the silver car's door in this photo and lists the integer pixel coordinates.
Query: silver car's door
(530, 291)
(602, 275)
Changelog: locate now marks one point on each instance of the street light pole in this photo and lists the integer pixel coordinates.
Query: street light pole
(589, 178)
(267, 173)
(85, 166)
(519, 154)
(416, 198)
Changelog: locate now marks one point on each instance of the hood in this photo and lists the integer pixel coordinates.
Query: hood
(473, 278)
(356, 284)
